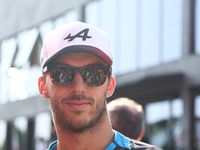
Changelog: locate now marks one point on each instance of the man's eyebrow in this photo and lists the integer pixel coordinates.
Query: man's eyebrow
(58, 63)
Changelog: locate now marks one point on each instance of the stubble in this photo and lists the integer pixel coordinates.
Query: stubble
(95, 119)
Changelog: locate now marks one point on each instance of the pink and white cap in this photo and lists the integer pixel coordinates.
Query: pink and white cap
(75, 37)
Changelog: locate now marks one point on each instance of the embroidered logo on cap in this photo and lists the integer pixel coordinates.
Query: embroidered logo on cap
(82, 34)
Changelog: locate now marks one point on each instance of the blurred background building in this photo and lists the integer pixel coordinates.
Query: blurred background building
(156, 52)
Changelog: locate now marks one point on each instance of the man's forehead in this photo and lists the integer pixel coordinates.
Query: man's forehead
(78, 58)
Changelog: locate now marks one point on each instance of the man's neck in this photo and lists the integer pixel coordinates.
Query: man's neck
(100, 137)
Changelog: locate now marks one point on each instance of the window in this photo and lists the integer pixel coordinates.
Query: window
(176, 123)
(127, 36)
(34, 58)
(19, 133)
(197, 121)
(149, 52)
(157, 122)
(58, 22)
(8, 49)
(26, 57)
(18, 85)
(70, 16)
(26, 42)
(45, 27)
(109, 25)
(172, 30)
(197, 27)
(164, 123)
(142, 33)
(43, 126)
(102, 14)
(92, 15)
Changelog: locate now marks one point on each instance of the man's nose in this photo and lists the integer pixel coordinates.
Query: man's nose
(78, 85)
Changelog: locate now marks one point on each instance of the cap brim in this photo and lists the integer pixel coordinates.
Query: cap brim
(81, 48)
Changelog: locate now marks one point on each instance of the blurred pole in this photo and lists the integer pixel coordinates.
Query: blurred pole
(188, 28)
(9, 136)
(188, 117)
(31, 133)
(188, 47)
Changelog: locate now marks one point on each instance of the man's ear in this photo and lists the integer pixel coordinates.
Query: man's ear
(42, 87)
(141, 135)
(111, 87)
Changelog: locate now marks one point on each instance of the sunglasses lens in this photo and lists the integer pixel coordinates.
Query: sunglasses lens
(61, 75)
(64, 75)
(94, 76)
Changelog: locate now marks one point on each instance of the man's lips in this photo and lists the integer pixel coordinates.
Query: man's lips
(78, 105)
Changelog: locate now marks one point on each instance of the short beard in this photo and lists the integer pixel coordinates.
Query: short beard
(97, 116)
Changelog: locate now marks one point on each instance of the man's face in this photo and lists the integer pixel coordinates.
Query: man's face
(78, 106)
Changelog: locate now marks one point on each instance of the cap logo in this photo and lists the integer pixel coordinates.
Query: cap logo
(82, 34)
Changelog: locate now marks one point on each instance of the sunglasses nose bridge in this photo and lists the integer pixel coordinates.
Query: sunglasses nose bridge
(78, 70)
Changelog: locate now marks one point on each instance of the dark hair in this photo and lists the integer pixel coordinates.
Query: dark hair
(127, 118)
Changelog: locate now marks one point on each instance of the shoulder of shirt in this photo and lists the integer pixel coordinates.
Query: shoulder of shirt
(138, 145)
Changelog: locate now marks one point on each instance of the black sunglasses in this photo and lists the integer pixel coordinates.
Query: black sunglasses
(93, 75)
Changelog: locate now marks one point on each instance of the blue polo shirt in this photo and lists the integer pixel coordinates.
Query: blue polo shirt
(119, 142)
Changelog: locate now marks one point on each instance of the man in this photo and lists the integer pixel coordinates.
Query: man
(127, 117)
(76, 65)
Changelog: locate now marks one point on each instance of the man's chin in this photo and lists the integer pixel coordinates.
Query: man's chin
(79, 126)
